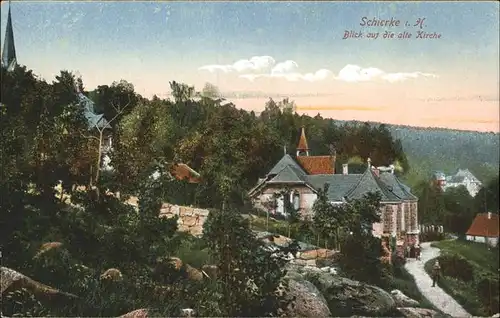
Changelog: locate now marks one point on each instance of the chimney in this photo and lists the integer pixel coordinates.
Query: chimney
(345, 169)
(489, 215)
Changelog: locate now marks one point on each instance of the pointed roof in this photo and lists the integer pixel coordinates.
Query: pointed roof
(396, 186)
(369, 182)
(93, 119)
(287, 175)
(285, 161)
(9, 60)
(302, 141)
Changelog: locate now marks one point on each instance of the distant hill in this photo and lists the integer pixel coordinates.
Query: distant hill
(447, 150)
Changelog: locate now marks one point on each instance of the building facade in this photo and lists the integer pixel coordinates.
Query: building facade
(305, 175)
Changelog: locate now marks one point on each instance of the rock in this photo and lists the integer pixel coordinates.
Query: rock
(210, 270)
(112, 274)
(187, 312)
(497, 315)
(193, 273)
(47, 247)
(138, 313)
(402, 300)
(314, 254)
(175, 262)
(309, 302)
(302, 262)
(11, 280)
(410, 312)
(347, 297)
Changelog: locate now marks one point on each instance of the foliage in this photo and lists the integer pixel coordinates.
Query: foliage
(481, 263)
(328, 219)
(249, 274)
(487, 199)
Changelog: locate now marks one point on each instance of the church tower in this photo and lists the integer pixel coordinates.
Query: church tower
(302, 147)
(9, 60)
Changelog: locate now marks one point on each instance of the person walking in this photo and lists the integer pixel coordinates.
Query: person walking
(436, 271)
(417, 252)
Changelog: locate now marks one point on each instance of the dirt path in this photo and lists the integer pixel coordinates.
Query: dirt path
(435, 295)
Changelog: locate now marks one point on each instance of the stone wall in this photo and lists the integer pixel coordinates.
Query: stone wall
(190, 219)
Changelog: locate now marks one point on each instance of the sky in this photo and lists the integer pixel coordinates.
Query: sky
(294, 49)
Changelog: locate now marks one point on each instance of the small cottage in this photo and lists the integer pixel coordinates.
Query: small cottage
(484, 229)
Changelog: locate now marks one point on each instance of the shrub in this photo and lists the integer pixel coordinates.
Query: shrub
(432, 236)
(455, 266)
(487, 289)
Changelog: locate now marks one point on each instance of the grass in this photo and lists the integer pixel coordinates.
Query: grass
(479, 255)
(484, 261)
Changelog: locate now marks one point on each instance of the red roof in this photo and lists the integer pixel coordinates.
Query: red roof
(182, 171)
(302, 141)
(482, 226)
(317, 164)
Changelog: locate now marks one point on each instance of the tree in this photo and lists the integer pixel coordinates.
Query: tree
(459, 210)
(291, 212)
(249, 273)
(360, 246)
(328, 218)
(487, 199)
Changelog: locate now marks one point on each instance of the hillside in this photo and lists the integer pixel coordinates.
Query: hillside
(430, 149)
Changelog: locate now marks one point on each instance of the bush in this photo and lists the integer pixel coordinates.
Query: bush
(487, 289)
(432, 236)
(457, 267)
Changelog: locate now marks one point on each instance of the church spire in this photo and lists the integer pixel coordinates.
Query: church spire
(9, 60)
(302, 146)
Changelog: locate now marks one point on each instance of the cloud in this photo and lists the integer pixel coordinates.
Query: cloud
(254, 64)
(354, 73)
(266, 67)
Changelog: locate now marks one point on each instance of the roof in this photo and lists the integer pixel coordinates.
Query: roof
(9, 49)
(288, 174)
(317, 164)
(339, 184)
(302, 141)
(286, 160)
(482, 226)
(93, 119)
(396, 186)
(182, 171)
(369, 182)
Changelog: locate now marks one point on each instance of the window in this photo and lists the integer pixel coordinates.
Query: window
(296, 200)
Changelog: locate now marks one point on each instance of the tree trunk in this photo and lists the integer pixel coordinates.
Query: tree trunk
(98, 166)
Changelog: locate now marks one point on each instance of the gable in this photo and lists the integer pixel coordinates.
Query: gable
(396, 187)
(370, 183)
(287, 175)
(286, 161)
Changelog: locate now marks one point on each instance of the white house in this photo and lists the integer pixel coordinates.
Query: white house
(484, 229)
(464, 178)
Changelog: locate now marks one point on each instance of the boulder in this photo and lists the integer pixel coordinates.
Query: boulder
(47, 247)
(346, 297)
(112, 274)
(410, 312)
(314, 254)
(308, 302)
(402, 300)
(138, 313)
(193, 273)
(11, 280)
(187, 312)
(210, 270)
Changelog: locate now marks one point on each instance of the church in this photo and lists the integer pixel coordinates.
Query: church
(305, 175)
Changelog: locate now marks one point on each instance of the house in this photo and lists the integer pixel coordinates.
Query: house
(464, 178)
(304, 175)
(484, 229)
